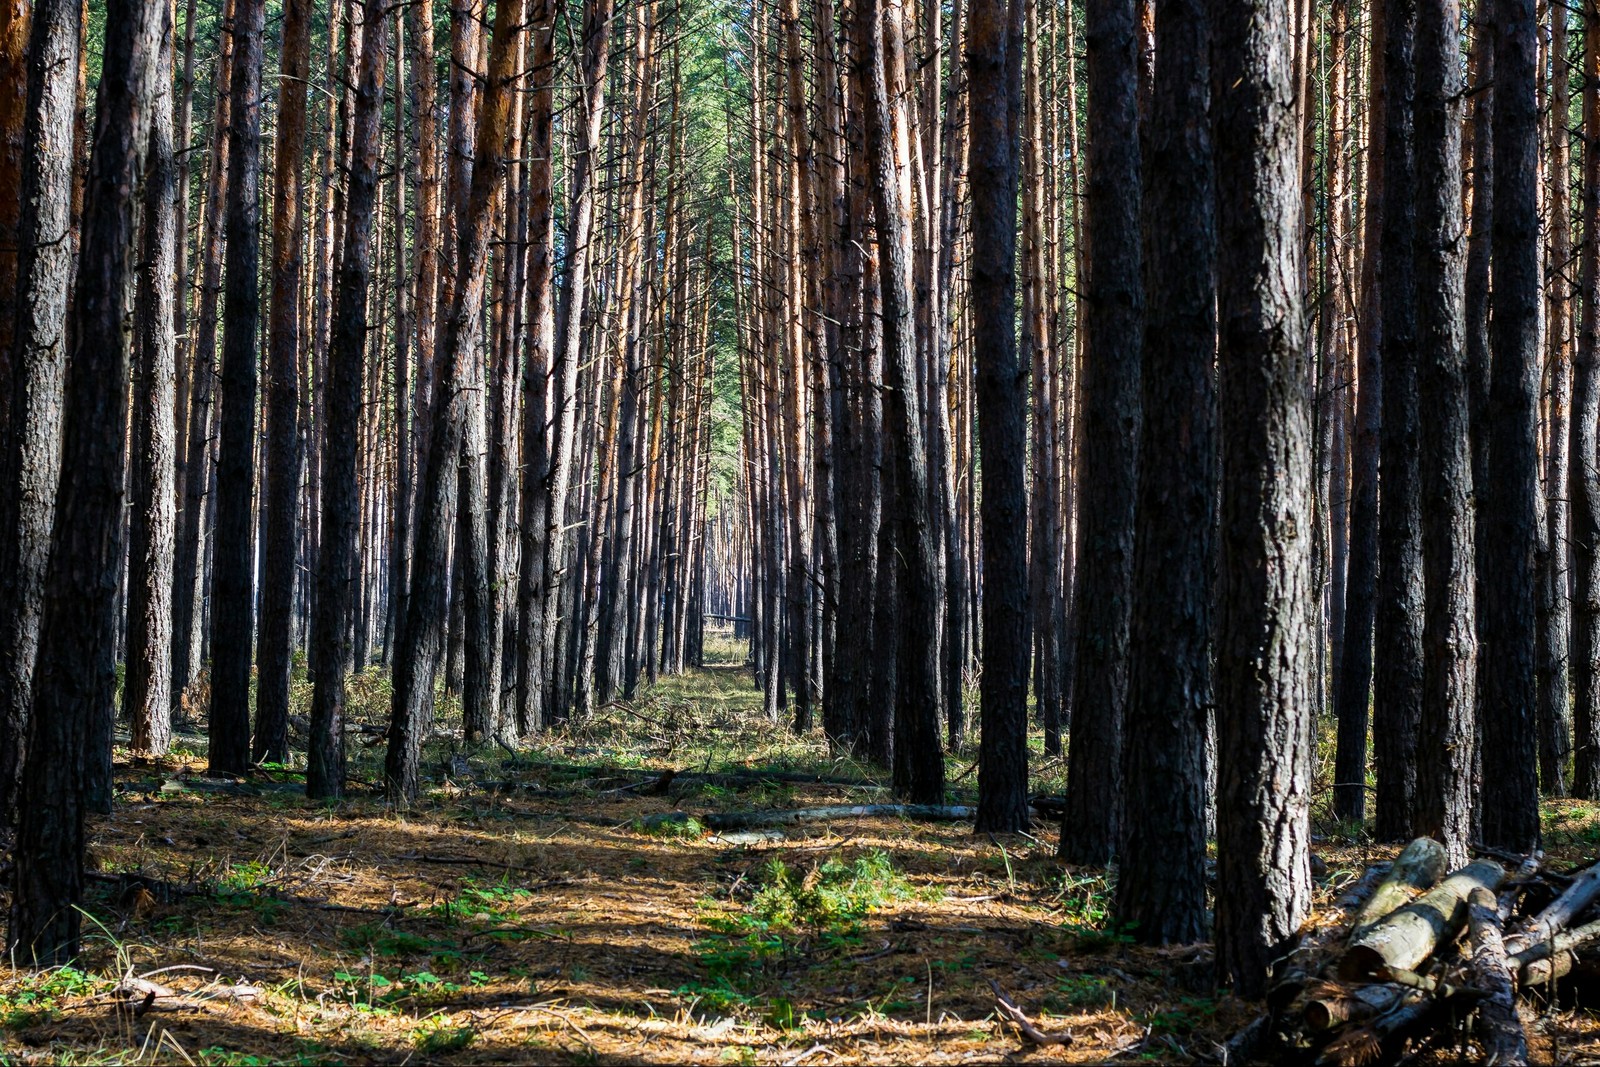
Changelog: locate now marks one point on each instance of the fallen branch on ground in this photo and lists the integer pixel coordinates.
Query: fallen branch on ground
(748, 820)
(1009, 1010)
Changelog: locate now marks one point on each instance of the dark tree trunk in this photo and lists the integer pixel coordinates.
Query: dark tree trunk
(536, 635)
(32, 460)
(282, 496)
(1112, 317)
(918, 710)
(233, 566)
(147, 698)
(1508, 497)
(1164, 755)
(336, 564)
(1397, 630)
(15, 17)
(1444, 743)
(1582, 478)
(1266, 606)
(76, 666)
(993, 62)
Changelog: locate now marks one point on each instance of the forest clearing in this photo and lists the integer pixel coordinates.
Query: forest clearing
(522, 912)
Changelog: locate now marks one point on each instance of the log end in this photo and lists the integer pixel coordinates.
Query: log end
(1361, 962)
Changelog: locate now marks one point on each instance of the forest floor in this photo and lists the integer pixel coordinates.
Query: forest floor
(522, 913)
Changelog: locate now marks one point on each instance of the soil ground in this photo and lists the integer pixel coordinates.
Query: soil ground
(522, 914)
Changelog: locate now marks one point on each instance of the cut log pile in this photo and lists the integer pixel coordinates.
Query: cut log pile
(1420, 956)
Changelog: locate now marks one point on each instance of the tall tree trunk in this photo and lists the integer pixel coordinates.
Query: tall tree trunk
(994, 62)
(1444, 751)
(15, 18)
(1266, 605)
(918, 751)
(1397, 629)
(233, 577)
(336, 565)
(1508, 498)
(198, 469)
(1583, 479)
(1163, 783)
(540, 390)
(1555, 611)
(1111, 320)
(147, 696)
(76, 656)
(33, 458)
(282, 484)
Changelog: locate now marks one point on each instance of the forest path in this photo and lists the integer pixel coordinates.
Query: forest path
(518, 913)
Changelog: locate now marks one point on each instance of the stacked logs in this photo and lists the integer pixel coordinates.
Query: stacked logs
(1421, 956)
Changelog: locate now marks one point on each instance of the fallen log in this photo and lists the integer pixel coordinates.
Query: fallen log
(1309, 957)
(1582, 892)
(750, 820)
(1416, 870)
(1499, 1027)
(1330, 1004)
(1365, 1043)
(1408, 936)
(1553, 958)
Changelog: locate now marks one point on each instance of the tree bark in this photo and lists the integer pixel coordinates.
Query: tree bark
(147, 695)
(336, 565)
(76, 667)
(1443, 758)
(1397, 625)
(1163, 783)
(233, 567)
(1583, 480)
(33, 458)
(918, 750)
(1003, 756)
(1111, 321)
(1508, 498)
(1265, 662)
(282, 496)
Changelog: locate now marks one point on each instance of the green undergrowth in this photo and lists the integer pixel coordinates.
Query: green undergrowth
(792, 920)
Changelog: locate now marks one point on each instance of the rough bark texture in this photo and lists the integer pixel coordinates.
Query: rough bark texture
(147, 696)
(540, 389)
(1397, 622)
(282, 495)
(1507, 499)
(1109, 437)
(1416, 870)
(76, 665)
(918, 747)
(1499, 1026)
(1583, 480)
(1169, 695)
(1410, 935)
(1003, 757)
(1265, 661)
(32, 459)
(347, 343)
(1444, 744)
(233, 546)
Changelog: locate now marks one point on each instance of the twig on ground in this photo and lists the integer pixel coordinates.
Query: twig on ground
(1009, 1010)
